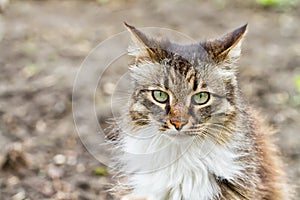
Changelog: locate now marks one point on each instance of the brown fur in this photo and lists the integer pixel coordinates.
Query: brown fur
(271, 172)
(187, 70)
(269, 181)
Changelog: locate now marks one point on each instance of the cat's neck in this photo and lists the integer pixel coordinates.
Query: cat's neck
(188, 164)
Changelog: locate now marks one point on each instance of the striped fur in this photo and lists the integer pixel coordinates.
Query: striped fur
(222, 152)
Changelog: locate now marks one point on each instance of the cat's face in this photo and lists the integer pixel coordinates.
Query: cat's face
(184, 90)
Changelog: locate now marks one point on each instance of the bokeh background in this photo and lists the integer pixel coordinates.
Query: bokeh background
(44, 42)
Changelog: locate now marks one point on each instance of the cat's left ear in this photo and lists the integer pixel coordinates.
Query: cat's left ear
(226, 47)
(143, 46)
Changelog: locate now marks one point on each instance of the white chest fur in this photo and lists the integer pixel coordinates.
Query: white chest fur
(176, 168)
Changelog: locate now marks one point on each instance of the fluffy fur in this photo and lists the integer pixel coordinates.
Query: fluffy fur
(221, 150)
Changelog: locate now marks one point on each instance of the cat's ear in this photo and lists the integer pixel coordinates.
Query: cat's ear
(227, 46)
(142, 47)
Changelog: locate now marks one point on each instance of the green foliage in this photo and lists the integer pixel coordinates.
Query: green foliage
(268, 3)
(281, 4)
(297, 82)
(102, 1)
(296, 98)
(100, 171)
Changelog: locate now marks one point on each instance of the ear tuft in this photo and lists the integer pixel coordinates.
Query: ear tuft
(142, 45)
(227, 46)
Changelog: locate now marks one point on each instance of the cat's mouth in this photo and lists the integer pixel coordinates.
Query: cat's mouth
(172, 133)
(179, 137)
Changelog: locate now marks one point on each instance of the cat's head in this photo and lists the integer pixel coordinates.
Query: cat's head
(185, 89)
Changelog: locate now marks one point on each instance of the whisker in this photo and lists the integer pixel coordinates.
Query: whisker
(224, 127)
(198, 139)
(210, 132)
(219, 131)
(217, 125)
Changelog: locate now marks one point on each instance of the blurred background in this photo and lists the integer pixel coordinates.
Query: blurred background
(44, 42)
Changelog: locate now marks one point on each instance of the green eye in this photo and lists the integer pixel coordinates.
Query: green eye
(160, 96)
(200, 98)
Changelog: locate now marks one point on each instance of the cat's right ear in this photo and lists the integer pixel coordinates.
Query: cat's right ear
(226, 47)
(142, 47)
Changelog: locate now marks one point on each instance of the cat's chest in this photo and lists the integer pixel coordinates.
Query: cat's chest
(168, 170)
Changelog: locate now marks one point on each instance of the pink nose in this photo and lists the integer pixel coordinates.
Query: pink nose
(178, 124)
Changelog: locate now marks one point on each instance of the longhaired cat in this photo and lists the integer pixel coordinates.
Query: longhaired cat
(187, 133)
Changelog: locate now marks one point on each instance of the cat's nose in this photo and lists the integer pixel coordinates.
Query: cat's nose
(178, 124)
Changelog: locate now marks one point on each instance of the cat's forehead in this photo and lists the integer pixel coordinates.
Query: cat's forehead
(174, 74)
(187, 61)
(193, 53)
(182, 69)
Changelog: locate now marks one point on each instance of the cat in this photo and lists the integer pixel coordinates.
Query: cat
(187, 133)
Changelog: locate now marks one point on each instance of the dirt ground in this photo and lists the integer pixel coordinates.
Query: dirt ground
(44, 42)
